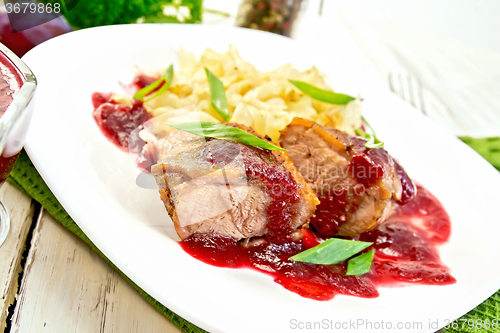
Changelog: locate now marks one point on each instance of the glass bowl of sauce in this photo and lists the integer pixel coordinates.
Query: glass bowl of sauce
(17, 89)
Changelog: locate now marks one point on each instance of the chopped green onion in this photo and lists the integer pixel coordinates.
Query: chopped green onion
(322, 95)
(214, 130)
(332, 251)
(169, 74)
(165, 78)
(328, 96)
(373, 141)
(148, 89)
(361, 264)
(218, 95)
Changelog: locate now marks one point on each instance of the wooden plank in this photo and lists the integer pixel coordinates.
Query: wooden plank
(21, 209)
(66, 287)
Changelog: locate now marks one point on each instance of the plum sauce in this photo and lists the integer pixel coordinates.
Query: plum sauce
(405, 252)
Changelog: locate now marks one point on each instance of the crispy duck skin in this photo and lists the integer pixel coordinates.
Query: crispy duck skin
(212, 186)
(357, 187)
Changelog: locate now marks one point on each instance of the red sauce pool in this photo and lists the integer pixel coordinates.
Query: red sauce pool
(405, 252)
(118, 121)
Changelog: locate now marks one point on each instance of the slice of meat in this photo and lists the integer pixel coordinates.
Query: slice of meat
(357, 187)
(230, 189)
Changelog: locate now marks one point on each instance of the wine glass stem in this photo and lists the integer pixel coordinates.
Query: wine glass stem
(4, 223)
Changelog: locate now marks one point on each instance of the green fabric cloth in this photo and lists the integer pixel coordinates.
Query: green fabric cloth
(26, 178)
(489, 310)
(489, 148)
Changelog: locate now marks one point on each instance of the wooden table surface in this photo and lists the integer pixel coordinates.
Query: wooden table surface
(65, 286)
(53, 282)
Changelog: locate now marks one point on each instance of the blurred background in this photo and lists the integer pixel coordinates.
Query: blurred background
(441, 56)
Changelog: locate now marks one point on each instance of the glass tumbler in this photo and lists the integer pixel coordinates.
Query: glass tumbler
(17, 89)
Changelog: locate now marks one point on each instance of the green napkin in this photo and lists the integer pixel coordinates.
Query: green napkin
(489, 148)
(26, 178)
(489, 310)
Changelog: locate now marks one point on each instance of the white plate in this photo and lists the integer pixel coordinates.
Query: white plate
(94, 182)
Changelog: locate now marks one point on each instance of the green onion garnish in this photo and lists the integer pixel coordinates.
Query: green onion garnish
(361, 264)
(218, 95)
(166, 79)
(332, 251)
(373, 141)
(326, 96)
(214, 130)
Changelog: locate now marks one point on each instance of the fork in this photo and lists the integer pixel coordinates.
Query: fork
(409, 88)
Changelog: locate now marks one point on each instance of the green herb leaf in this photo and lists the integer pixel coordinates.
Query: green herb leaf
(210, 129)
(322, 95)
(167, 78)
(339, 99)
(218, 95)
(169, 74)
(373, 141)
(361, 264)
(332, 251)
(148, 89)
